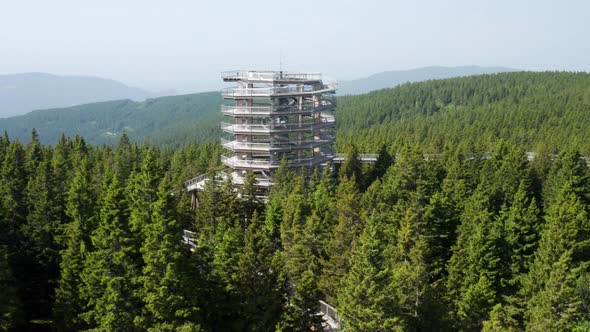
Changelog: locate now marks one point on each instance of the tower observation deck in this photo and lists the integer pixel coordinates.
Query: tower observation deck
(275, 115)
(271, 115)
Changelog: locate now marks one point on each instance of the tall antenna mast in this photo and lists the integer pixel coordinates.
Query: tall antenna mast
(281, 59)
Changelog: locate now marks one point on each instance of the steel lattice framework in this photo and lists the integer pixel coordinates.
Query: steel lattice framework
(271, 116)
(276, 115)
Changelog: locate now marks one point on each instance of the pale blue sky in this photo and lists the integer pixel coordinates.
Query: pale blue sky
(184, 45)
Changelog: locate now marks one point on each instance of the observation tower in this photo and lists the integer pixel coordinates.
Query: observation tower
(271, 115)
(275, 115)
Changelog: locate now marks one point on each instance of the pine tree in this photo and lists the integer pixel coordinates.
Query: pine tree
(295, 211)
(125, 158)
(410, 176)
(39, 246)
(557, 307)
(4, 144)
(503, 318)
(249, 200)
(352, 167)
(273, 219)
(474, 268)
(109, 270)
(167, 291)
(12, 217)
(12, 189)
(365, 300)
(521, 228)
(442, 215)
(508, 168)
(217, 204)
(62, 167)
(142, 194)
(33, 152)
(322, 203)
(338, 249)
(567, 168)
(10, 306)
(260, 292)
(302, 311)
(409, 259)
(283, 181)
(79, 150)
(561, 260)
(80, 209)
(227, 245)
(383, 162)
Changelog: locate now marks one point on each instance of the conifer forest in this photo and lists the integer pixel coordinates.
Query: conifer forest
(474, 217)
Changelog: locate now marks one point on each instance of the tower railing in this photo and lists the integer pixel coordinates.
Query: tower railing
(235, 145)
(234, 161)
(272, 91)
(277, 128)
(269, 76)
(270, 110)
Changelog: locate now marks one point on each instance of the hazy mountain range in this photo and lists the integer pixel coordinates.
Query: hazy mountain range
(21, 93)
(390, 79)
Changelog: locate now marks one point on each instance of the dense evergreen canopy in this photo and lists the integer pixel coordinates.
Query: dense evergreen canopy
(442, 233)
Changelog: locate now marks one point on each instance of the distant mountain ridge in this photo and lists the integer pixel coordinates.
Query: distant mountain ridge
(391, 79)
(22, 93)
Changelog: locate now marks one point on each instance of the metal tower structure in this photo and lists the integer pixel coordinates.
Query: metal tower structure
(275, 115)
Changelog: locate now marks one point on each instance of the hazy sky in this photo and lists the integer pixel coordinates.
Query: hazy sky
(184, 45)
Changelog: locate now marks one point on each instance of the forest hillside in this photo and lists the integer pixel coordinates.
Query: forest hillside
(539, 111)
(171, 121)
(542, 111)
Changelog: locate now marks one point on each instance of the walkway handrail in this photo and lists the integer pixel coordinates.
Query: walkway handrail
(231, 160)
(195, 180)
(331, 312)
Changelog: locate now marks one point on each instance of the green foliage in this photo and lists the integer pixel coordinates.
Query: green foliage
(338, 248)
(538, 111)
(474, 268)
(169, 121)
(459, 232)
(10, 306)
(168, 292)
(554, 301)
(301, 313)
(80, 209)
(366, 300)
(110, 269)
(260, 292)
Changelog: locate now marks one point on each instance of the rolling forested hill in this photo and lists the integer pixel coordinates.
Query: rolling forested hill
(171, 121)
(541, 111)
